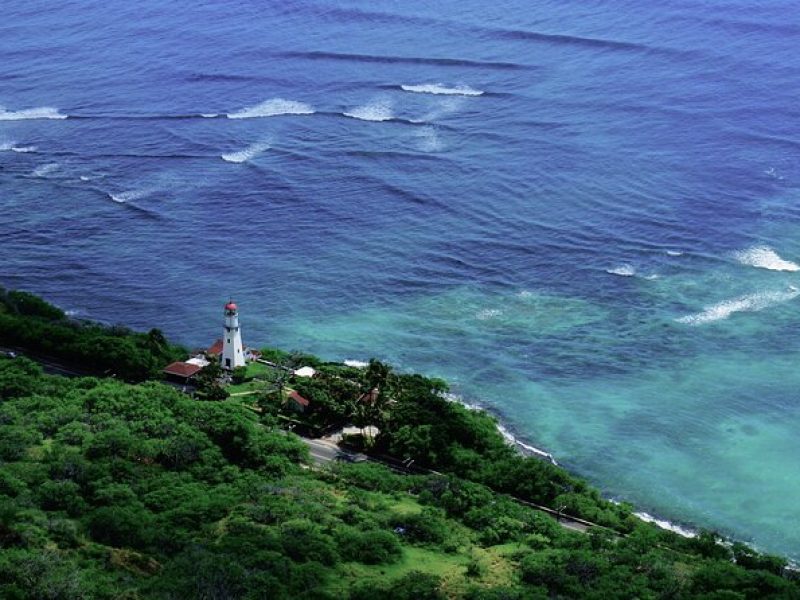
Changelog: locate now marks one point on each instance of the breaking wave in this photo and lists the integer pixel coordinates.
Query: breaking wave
(663, 524)
(439, 89)
(625, 270)
(24, 149)
(46, 169)
(748, 303)
(765, 257)
(273, 107)
(123, 197)
(4, 146)
(44, 112)
(375, 111)
(360, 364)
(241, 156)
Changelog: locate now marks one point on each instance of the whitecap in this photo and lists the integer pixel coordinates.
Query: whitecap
(273, 107)
(765, 257)
(44, 112)
(209, 115)
(625, 270)
(85, 178)
(749, 303)
(375, 111)
(129, 195)
(674, 253)
(46, 169)
(4, 146)
(24, 149)
(440, 89)
(244, 155)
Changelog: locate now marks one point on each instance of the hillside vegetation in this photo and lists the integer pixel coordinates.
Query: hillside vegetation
(132, 491)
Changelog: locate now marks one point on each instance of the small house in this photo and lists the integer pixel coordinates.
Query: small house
(181, 372)
(297, 403)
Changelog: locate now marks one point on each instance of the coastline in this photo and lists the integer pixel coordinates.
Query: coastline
(512, 438)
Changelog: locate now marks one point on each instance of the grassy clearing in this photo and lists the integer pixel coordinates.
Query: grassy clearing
(449, 567)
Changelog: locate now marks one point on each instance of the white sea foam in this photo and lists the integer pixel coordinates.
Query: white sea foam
(748, 303)
(129, 195)
(765, 257)
(509, 437)
(209, 115)
(429, 140)
(4, 146)
(271, 108)
(488, 313)
(440, 89)
(241, 156)
(360, 364)
(375, 111)
(625, 270)
(44, 112)
(674, 253)
(648, 518)
(46, 169)
(24, 149)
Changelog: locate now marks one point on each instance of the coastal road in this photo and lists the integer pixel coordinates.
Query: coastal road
(323, 452)
(51, 366)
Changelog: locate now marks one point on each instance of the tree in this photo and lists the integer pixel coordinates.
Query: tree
(208, 381)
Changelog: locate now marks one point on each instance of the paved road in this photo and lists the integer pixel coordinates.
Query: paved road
(324, 452)
(51, 366)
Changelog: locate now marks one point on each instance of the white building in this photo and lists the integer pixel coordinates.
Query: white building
(232, 351)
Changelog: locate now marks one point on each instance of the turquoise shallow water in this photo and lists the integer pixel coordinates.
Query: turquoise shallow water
(584, 215)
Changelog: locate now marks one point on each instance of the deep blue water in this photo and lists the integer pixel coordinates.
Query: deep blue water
(594, 230)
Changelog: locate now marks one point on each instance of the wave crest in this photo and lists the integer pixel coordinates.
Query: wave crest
(749, 303)
(273, 107)
(625, 270)
(123, 197)
(44, 112)
(439, 89)
(374, 111)
(46, 169)
(765, 257)
(241, 156)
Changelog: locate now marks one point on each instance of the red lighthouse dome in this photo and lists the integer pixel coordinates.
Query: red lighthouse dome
(231, 306)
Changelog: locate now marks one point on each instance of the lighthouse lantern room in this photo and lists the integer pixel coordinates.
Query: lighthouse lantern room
(232, 351)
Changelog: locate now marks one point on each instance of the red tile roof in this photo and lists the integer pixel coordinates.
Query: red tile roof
(299, 399)
(182, 369)
(215, 348)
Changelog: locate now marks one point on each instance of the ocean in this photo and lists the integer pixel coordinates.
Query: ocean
(585, 215)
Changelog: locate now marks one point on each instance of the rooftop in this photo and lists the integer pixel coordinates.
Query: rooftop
(182, 369)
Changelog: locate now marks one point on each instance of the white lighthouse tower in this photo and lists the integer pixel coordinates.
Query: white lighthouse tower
(232, 351)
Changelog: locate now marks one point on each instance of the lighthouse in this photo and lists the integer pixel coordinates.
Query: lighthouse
(232, 351)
